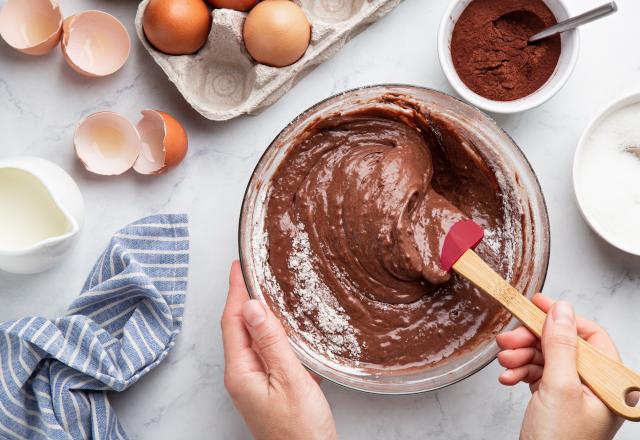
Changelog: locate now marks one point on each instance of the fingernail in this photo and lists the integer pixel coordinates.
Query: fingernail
(563, 313)
(253, 313)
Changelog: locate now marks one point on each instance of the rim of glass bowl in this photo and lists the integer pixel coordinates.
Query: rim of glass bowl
(484, 353)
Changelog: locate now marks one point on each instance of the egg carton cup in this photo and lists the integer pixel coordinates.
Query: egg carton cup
(222, 81)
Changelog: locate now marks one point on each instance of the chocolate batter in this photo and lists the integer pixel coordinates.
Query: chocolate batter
(355, 218)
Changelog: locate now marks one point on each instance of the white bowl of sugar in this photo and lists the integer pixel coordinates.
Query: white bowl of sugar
(606, 174)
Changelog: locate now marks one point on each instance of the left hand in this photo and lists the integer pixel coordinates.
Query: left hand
(274, 393)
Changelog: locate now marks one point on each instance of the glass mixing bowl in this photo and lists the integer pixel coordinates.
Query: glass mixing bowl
(489, 139)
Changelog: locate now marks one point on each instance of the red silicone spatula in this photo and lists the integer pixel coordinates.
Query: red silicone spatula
(609, 379)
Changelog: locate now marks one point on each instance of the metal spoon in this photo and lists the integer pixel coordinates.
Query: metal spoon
(574, 22)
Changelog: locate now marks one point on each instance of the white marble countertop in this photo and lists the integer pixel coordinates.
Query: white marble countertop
(41, 100)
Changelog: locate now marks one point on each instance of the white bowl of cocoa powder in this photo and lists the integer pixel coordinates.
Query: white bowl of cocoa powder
(484, 53)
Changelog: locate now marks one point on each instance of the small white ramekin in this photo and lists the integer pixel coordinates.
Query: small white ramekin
(579, 192)
(566, 63)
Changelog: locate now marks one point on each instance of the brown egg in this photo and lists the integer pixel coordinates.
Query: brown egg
(177, 27)
(277, 33)
(238, 5)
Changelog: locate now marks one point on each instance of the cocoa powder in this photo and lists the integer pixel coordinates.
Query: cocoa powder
(490, 51)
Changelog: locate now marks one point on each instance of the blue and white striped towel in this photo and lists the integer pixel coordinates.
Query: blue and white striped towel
(55, 373)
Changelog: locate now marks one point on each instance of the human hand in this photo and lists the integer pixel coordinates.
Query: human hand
(271, 389)
(561, 407)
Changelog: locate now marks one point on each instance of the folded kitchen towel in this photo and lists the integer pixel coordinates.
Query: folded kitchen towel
(55, 373)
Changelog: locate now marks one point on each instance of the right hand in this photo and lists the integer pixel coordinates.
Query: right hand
(561, 407)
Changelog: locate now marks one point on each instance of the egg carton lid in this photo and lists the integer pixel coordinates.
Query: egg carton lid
(222, 81)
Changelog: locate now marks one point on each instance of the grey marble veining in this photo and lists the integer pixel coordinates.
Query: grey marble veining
(41, 101)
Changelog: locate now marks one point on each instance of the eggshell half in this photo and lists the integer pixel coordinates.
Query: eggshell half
(107, 143)
(33, 27)
(95, 43)
(164, 142)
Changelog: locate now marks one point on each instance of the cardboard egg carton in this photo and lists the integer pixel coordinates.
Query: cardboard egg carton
(222, 81)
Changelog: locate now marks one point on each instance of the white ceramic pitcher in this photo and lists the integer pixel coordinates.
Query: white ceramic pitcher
(41, 213)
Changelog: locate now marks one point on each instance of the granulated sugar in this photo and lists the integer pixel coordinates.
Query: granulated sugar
(607, 177)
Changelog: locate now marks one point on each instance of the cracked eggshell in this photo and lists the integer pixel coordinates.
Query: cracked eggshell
(33, 27)
(95, 43)
(107, 143)
(164, 142)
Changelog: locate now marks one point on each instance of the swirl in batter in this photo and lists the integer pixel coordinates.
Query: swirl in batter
(362, 203)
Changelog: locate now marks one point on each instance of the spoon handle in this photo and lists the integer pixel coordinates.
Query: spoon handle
(609, 379)
(574, 22)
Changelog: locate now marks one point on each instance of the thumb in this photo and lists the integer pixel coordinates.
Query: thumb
(559, 346)
(271, 340)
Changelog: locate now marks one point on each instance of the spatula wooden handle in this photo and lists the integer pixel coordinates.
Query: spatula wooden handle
(609, 379)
